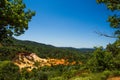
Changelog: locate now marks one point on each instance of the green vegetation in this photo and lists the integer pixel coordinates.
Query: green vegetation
(8, 71)
(14, 18)
(114, 20)
(98, 64)
(42, 50)
(9, 50)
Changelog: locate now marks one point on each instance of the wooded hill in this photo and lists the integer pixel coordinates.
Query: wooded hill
(13, 46)
(10, 62)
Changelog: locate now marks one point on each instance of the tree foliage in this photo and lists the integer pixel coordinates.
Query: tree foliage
(9, 50)
(108, 59)
(9, 71)
(114, 6)
(14, 18)
(101, 60)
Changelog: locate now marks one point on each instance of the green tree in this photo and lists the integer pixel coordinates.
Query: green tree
(114, 6)
(35, 74)
(14, 18)
(9, 71)
(100, 61)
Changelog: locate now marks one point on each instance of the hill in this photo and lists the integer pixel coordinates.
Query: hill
(13, 46)
(44, 60)
(56, 63)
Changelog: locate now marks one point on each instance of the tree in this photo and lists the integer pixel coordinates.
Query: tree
(114, 6)
(101, 60)
(108, 59)
(14, 18)
(9, 71)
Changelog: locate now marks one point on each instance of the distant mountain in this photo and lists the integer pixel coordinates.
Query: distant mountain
(37, 44)
(84, 50)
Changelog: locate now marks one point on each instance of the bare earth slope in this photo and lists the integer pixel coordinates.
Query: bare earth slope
(114, 78)
(31, 60)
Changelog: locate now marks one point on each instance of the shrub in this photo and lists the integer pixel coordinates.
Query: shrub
(9, 71)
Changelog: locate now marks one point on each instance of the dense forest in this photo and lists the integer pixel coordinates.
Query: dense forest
(13, 46)
(96, 64)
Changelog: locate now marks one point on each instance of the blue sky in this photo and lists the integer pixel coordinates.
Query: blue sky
(68, 23)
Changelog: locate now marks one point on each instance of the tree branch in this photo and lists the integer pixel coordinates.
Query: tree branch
(101, 34)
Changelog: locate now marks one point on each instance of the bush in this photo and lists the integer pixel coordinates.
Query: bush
(9, 71)
(115, 73)
(105, 75)
(100, 61)
(35, 74)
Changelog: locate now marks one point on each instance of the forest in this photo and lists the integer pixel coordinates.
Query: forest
(96, 63)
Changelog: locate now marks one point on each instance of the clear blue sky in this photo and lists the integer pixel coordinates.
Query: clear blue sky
(68, 23)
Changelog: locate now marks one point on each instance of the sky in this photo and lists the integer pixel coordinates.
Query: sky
(68, 23)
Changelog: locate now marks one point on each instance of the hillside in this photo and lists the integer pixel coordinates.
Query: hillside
(58, 63)
(30, 61)
(15, 46)
(42, 60)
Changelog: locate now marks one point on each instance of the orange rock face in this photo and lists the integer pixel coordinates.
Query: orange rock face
(30, 61)
(114, 78)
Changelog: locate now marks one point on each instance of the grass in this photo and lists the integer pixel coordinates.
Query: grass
(86, 76)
